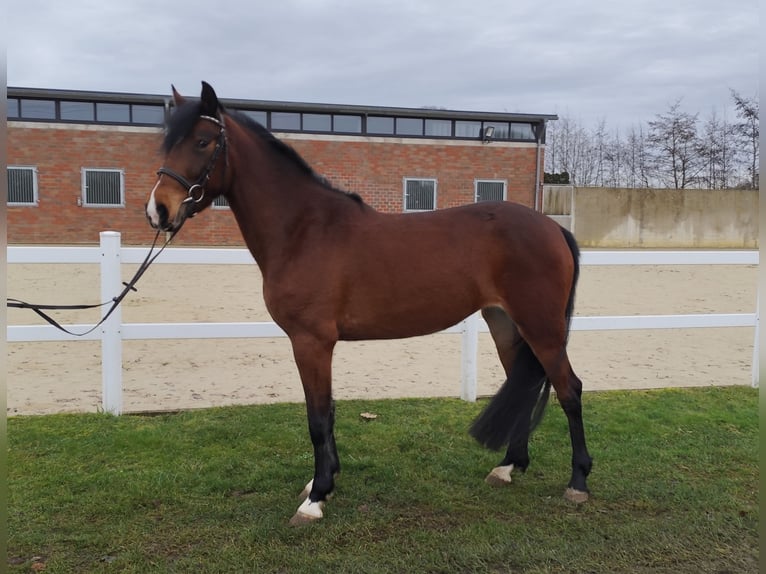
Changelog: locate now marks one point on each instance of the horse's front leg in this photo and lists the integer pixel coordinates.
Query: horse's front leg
(314, 357)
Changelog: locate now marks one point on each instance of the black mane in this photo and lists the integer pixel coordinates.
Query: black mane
(186, 116)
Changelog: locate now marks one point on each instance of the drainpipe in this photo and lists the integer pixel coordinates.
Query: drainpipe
(540, 132)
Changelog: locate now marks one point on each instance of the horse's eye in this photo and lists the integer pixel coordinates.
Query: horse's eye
(202, 143)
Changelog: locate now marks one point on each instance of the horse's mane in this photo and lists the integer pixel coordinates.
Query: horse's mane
(186, 115)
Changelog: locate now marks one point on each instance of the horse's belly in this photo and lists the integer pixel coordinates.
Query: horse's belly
(401, 321)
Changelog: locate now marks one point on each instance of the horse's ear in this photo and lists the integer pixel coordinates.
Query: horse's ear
(178, 99)
(210, 104)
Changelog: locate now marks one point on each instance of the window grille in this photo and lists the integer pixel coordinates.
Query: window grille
(220, 203)
(489, 190)
(103, 187)
(22, 185)
(419, 194)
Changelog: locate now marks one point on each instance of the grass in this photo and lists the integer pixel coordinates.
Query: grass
(674, 490)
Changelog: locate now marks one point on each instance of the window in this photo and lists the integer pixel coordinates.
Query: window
(285, 121)
(220, 203)
(117, 113)
(77, 111)
(490, 190)
(522, 132)
(317, 122)
(464, 129)
(439, 128)
(22, 185)
(347, 124)
(13, 108)
(260, 117)
(409, 126)
(419, 194)
(501, 130)
(38, 109)
(380, 125)
(144, 114)
(103, 187)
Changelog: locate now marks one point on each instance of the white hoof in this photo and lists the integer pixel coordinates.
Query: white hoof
(307, 512)
(499, 476)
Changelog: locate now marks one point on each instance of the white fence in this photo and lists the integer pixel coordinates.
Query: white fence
(110, 255)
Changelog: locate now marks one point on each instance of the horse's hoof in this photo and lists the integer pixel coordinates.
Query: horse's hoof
(300, 519)
(307, 513)
(576, 496)
(499, 476)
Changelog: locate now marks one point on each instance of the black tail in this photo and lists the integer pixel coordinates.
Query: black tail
(518, 407)
(572, 244)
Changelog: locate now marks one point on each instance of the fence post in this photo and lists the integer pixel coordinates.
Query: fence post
(468, 359)
(111, 335)
(756, 345)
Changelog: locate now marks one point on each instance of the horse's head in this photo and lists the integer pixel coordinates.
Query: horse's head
(194, 169)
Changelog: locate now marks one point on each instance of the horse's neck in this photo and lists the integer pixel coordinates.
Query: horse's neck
(269, 198)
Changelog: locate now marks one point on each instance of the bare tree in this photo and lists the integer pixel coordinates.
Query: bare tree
(717, 150)
(599, 152)
(614, 157)
(568, 150)
(673, 150)
(637, 158)
(673, 137)
(749, 133)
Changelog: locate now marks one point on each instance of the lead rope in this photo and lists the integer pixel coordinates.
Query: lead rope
(129, 286)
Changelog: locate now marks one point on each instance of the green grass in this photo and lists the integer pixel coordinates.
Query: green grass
(674, 490)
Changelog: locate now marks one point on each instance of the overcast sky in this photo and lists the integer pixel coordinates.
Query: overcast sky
(622, 61)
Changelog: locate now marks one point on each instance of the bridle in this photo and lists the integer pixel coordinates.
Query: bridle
(198, 187)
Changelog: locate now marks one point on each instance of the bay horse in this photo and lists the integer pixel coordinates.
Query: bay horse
(336, 269)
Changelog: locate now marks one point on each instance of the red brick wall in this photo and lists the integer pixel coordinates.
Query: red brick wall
(373, 168)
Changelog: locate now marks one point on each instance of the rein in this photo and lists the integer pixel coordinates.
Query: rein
(129, 286)
(195, 192)
(199, 185)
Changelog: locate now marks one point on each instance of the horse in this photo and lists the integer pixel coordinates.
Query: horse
(335, 269)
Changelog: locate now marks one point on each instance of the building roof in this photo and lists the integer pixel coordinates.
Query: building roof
(271, 105)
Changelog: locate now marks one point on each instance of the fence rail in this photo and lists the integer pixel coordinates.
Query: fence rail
(110, 255)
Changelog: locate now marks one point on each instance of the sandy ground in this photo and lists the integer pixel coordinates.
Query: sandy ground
(176, 374)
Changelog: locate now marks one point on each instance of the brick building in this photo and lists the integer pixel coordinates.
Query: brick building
(83, 162)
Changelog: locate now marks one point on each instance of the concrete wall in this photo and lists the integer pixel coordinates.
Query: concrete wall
(660, 218)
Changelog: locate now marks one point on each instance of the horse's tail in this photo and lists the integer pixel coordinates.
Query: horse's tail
(575, 250)
(527, 389)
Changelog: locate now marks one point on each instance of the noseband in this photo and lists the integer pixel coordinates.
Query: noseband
(196, 191)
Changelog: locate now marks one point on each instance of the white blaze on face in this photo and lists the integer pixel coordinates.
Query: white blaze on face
(151, 206)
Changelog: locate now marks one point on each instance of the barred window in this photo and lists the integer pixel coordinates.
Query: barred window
(490, 190)
(220, 203)
(419, 194)
(103, 187)
(22, 185)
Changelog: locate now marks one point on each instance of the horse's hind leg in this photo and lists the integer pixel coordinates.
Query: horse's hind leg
(517, 398)
(568, 388)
